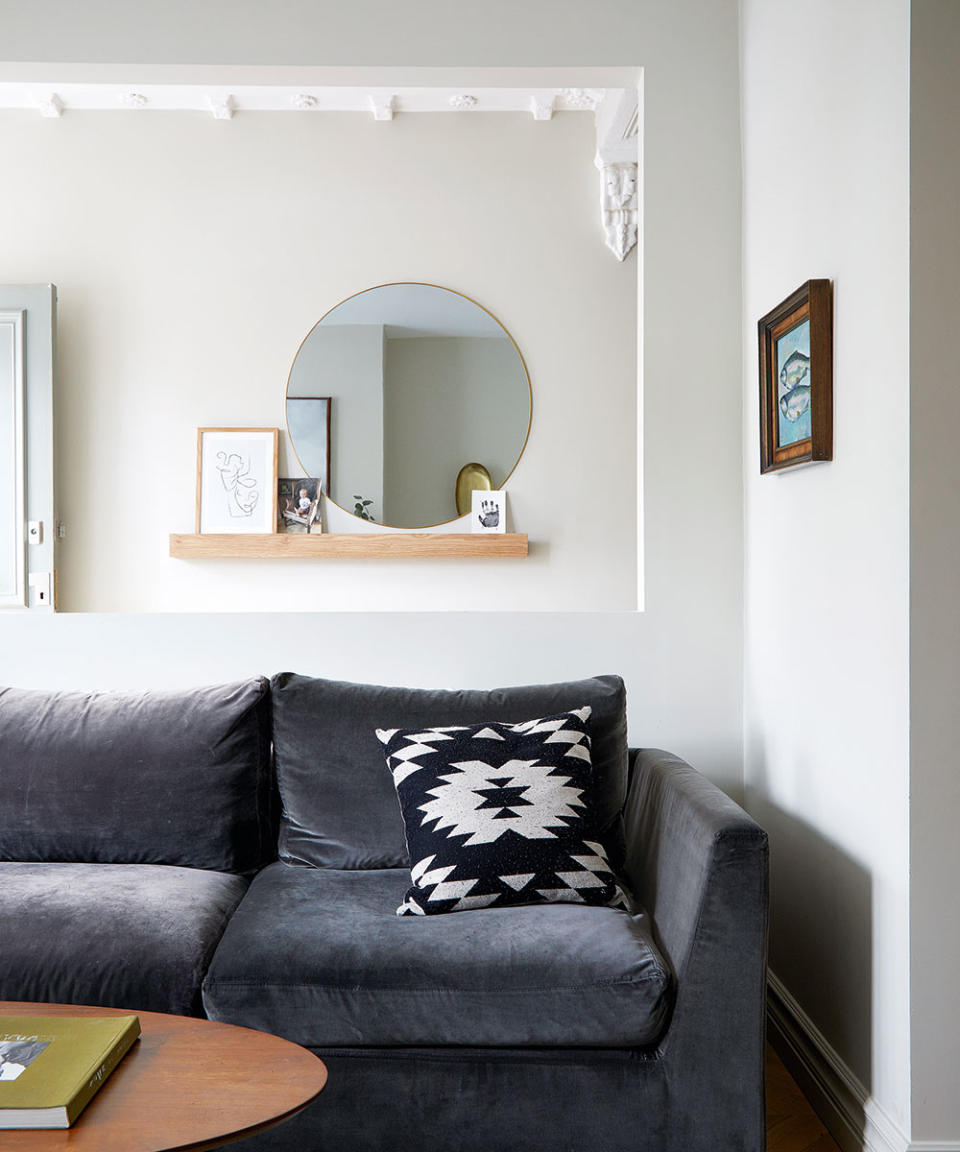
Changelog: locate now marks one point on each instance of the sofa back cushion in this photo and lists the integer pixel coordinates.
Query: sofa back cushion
(339, 804)
(178, 778)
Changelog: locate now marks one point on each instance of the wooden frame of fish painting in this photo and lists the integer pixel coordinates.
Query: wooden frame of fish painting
(796, 378)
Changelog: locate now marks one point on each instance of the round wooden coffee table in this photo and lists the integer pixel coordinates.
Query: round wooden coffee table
(186, 1084)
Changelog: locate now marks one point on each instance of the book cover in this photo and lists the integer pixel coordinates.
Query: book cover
(52, 1066)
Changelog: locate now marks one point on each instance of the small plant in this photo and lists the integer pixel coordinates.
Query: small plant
(360, 509)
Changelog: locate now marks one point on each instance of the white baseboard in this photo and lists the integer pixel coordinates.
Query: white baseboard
(856, 1121)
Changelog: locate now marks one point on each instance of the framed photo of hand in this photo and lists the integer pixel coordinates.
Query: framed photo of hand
(489, 511)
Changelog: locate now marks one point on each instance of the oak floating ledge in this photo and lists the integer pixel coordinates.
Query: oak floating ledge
(389, 545)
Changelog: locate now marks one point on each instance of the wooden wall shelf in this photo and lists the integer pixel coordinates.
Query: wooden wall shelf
(388, 545)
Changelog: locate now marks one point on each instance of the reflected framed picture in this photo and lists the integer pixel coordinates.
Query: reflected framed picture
(308, 423)
(236, 480)
(796, 379)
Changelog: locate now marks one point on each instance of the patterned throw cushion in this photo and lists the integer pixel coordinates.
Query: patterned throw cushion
(499, 814)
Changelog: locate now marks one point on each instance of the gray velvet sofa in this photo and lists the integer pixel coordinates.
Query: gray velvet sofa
(238, 851)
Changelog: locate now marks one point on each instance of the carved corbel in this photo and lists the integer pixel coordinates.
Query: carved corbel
(618, 151)
(618, 206)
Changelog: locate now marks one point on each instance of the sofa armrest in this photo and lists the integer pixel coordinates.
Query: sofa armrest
(698, 865)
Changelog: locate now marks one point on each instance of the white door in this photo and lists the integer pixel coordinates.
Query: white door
(13, 500)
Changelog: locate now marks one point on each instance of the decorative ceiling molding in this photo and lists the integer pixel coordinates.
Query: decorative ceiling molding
(382, 102)
(616, 112)
(222, 107)
(49, 105)
(542, 108)
(581, 99)
(382, 106)
(618, 126)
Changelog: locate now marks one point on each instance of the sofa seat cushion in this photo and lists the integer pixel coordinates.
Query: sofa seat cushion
(317, 955)
(136, 936)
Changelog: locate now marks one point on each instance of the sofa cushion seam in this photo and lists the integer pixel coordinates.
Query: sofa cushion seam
(228, 983)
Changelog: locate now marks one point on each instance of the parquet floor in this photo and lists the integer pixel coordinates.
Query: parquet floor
(792, 1125)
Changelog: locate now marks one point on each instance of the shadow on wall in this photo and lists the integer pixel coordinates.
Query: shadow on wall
(821, 938)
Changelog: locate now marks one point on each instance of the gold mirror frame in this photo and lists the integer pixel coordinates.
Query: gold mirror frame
(421, 284)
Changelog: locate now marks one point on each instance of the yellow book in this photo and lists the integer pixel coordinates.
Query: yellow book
(51, 1066)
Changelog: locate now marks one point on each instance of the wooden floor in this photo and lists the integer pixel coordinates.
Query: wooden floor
(792, 1125)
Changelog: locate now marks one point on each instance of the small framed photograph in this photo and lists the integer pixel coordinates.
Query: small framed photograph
(796, 379)
(298, 505)
(236, 480)
(489, 510)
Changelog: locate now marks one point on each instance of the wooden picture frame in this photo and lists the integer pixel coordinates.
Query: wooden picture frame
(237, 480)
(796, 378)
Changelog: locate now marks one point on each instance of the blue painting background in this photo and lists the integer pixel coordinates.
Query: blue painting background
(796, 340)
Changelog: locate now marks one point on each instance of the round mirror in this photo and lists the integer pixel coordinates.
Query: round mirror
(395, 391)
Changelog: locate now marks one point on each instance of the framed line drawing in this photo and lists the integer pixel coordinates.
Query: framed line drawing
(796, 378)
(236, 480)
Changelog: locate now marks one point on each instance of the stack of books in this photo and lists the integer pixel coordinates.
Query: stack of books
(52, 1066)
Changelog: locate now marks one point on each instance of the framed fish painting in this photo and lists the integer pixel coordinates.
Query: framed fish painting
(796, 379)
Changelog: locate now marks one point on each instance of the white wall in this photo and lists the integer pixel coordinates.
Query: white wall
(825, 136)
(934, 562)
(682, 656)
(201, 292)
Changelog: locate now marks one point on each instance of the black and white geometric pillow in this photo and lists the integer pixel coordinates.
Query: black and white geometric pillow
(499, 814)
